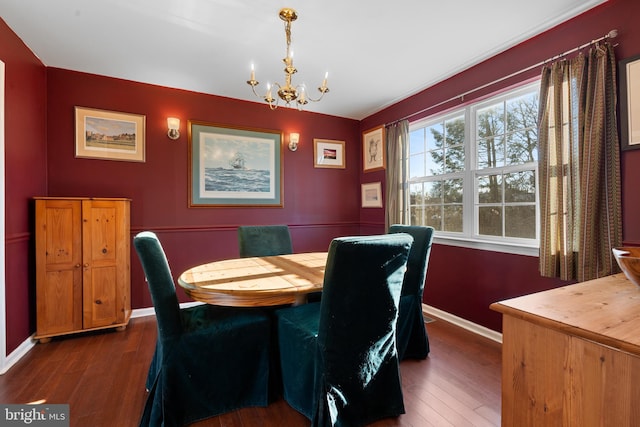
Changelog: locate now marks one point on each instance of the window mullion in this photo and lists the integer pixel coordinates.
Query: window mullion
(469, 194)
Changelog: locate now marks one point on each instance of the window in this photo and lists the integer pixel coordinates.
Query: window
(473, 172)
(436, 173)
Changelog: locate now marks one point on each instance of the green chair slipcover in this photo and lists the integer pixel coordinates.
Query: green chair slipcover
(338, 356)
(412, 338)
(264, 240)
(209, 360)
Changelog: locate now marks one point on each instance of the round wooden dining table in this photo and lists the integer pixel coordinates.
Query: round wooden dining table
(256, 281)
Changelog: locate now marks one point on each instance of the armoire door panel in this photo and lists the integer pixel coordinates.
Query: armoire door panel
(60, 302)
(100, 299)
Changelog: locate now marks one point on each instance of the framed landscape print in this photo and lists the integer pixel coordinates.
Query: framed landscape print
(373, 147)
(372, 195)
(629, 88)
(109, 135)
(234, 166)
(328, 153)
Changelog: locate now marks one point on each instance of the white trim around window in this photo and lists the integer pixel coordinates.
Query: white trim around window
(469, 236)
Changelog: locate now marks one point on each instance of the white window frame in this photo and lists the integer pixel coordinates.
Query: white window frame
(469, 237)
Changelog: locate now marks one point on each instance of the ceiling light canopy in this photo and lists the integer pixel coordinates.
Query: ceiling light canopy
(287, 92)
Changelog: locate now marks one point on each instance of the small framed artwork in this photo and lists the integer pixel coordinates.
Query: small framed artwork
(328, 153)
(373, 145)
(109, 135)
(372, 195)
(629, 89)
(234, 166)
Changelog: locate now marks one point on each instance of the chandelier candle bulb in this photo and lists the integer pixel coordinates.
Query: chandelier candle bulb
(253, 73)
(269, 97)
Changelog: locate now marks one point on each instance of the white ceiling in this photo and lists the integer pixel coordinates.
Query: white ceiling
(376, 52)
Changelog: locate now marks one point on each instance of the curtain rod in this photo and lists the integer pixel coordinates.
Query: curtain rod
(610, 35)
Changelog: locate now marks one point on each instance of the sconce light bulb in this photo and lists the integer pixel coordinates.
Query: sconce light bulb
(294, 137)
(173, 124)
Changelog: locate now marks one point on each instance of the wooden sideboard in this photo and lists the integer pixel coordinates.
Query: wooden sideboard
(571, 355)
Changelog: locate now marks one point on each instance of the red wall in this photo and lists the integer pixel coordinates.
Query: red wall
(463, 281)
(319, 204)
(25, 172)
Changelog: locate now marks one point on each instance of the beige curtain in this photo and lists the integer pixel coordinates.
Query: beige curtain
(579, 166)
(397, 146)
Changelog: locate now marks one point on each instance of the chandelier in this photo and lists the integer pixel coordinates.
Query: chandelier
(287, 92)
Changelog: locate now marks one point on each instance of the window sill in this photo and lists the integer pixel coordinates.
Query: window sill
(484, 245)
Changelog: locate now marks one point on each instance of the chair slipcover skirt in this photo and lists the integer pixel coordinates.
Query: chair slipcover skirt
(412, 338)
(338, 357)
(209, 360)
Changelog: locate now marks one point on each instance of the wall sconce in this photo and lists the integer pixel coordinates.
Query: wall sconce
(293, 141)
(174, 128)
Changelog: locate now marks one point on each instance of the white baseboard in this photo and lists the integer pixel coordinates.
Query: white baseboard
(427, 310)
(149, 311)
(143, 312)
(17, 354)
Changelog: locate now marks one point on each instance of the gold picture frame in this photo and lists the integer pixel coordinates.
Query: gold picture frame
(109, 135)
(373, 149)
(328, 153)
(232, 166)
(372, 195)
(629, 88)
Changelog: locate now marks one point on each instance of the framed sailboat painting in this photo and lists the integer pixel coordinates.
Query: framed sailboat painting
(234, 166)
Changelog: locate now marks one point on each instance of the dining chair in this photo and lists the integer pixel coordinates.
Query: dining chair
(264, 240)
(338, 357)
(209, 360)
(412, 338)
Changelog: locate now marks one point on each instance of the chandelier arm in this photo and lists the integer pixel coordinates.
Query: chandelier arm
(322, 92)
(253, 88)
(268, 98)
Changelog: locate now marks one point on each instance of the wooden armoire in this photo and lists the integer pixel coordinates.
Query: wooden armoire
(82, 265)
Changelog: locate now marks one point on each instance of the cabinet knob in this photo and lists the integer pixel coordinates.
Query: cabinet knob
(78, 266)
(86, 265)
(98, 302)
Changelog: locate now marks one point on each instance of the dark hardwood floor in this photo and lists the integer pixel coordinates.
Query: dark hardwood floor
(101, 376)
